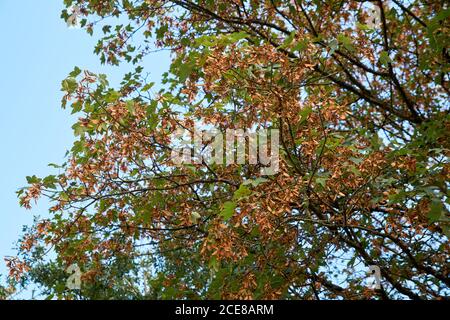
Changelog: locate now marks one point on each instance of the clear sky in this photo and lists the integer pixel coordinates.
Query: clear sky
(38, 50)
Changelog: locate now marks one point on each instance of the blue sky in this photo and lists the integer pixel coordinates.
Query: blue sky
(38, 51)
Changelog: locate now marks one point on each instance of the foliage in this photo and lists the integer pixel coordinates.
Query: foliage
(364, 119)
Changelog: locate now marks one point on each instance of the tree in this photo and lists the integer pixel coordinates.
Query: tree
(359, 93)
(3, 293)
(7, 289)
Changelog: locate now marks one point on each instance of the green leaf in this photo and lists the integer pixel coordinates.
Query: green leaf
(161, 31)
(78, 129)
(60, 287)
(228, 210)
(214, 263)
(436, 210)
(78, 147)
(50, 296)
(54, 165)
(446, 229)
(334, 44)
(346, 42)
(102, 80)
(32, 179)
(236, 36)
(301, 45)
(148, 86)
(304, 113)
(69, 85)
(254, 182)
(206, 41)
(384, 58)
(184, 69)
(75, 73)
(76, 106)
(289, 39)
(50, 181)
(195, 216)
(362, 26)
(64, 196)
(130, 106)
(147, 216)
(242, 192)
(322, 181)
(356, 160)
(442, 15)
(112, 96)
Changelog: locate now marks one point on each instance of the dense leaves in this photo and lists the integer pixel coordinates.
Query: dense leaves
(361, 103)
